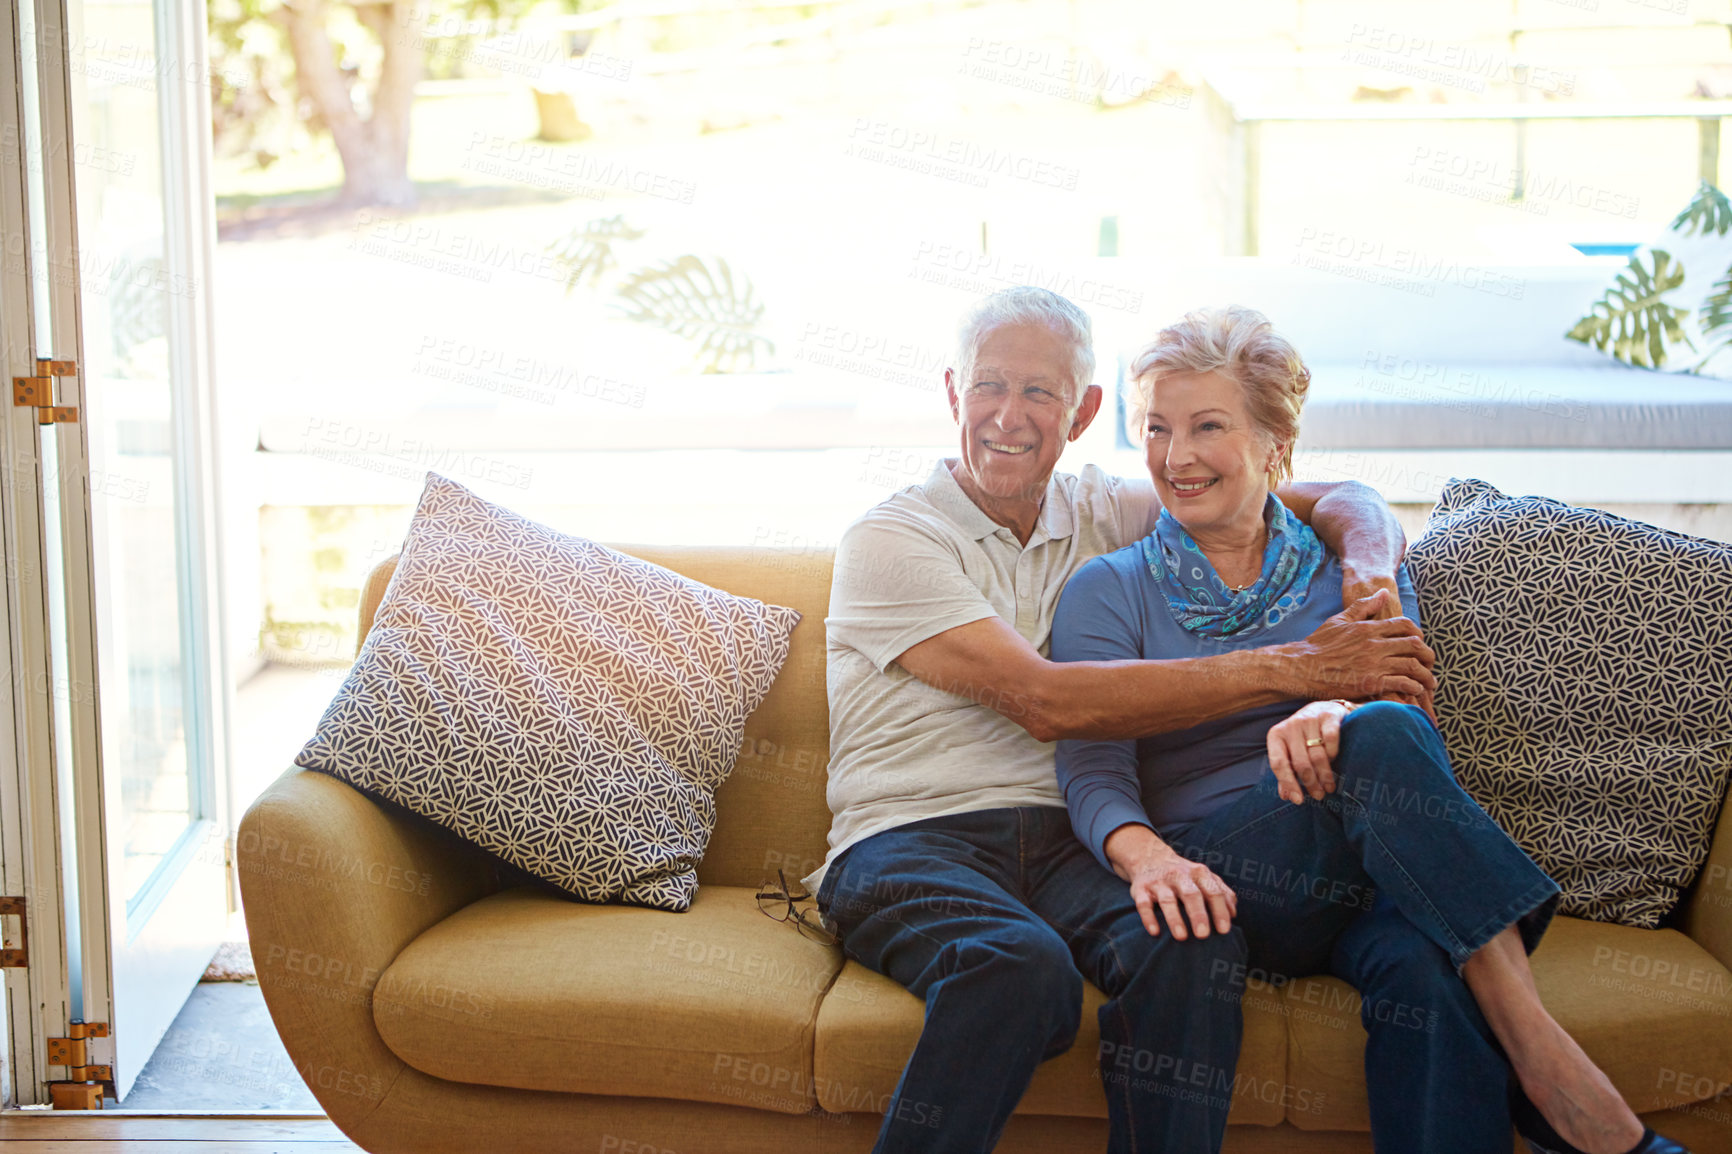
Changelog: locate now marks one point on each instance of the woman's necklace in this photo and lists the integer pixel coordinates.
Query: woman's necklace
(1263, 549)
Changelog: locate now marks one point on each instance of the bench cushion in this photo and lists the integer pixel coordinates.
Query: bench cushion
(1390, 401)
(527, 989)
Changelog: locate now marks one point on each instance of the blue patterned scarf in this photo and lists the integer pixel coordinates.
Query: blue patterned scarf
(1201, 601)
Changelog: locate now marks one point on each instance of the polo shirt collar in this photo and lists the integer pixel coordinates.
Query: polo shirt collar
(1056, 515)
(1055, 521)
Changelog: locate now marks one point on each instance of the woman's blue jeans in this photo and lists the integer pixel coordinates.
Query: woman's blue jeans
(994, 918)
(1389, 883)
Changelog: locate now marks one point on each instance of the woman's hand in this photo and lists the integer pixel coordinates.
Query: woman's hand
(1303, 748)
(1179, 886)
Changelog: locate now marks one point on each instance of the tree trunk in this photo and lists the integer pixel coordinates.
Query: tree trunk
(374, 149)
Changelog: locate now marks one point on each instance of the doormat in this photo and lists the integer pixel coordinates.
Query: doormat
(233, 963)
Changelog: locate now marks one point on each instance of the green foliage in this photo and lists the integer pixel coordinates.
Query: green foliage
(1715, 318)
(1632, 321)
(702, 304)
(1708, 211)
(253, 105)
(1716, 311)
(586, 252)
(706, 303)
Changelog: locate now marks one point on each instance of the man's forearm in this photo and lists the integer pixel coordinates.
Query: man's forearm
(1113, 700)
(1355, 523)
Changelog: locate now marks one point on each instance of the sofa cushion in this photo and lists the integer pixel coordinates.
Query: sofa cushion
(867, 1027)
(1583, 688)
(523, 989)
(564, 706)
(1648, 1006)
(771, 812)
(1670, 307)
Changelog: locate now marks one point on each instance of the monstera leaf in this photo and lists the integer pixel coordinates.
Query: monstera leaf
(1716, 311)
(1708, 212)
(1715, 320)
(705, 305)
(1632, 321)
(587, 252)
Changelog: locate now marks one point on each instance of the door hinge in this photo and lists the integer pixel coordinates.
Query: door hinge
(37, 392)
(14, 957)
(85, 1088)
(75, 1095)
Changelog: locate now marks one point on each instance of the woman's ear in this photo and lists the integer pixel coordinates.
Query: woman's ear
(1270, 464)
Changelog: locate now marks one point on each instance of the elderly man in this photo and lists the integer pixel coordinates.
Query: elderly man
(952, 867)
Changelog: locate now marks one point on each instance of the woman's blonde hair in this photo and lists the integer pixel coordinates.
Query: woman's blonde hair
(1241, 344)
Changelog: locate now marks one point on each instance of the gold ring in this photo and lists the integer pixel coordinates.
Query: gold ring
(1310, 741)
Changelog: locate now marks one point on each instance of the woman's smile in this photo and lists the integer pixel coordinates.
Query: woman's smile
(1191, 487)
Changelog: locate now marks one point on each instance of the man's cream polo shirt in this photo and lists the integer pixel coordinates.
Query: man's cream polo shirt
(924, 561)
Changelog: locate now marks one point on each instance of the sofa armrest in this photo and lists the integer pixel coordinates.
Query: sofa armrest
(1707, 914)
(334, 886)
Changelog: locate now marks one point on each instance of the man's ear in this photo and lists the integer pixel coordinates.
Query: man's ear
(950, 391)
(1085, 412)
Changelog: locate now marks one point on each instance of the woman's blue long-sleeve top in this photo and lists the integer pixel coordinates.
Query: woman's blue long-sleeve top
(1112, 610)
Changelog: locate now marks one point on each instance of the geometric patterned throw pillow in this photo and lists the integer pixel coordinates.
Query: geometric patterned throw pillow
(1670, 307)
(563, 706)
(1584, 668)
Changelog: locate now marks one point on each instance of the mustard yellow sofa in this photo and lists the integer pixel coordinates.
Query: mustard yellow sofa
(432, 1004)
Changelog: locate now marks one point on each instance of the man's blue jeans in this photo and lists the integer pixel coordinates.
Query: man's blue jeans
(994, 918)
(1390, 883)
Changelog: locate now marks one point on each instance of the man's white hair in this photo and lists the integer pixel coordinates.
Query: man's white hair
(1024, 305)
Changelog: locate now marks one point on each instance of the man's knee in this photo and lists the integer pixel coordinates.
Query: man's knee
(1031, 965)
(1028, 974)
(1215, 965)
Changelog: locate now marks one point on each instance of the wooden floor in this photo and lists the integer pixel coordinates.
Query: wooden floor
(45, 1132)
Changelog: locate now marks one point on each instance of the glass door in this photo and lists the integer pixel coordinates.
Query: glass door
(115, 104)
(32, 801)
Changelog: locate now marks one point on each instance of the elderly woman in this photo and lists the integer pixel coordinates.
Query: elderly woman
(1336, 834)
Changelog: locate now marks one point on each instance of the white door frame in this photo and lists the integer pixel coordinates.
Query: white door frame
(37, 998)
(78, 961)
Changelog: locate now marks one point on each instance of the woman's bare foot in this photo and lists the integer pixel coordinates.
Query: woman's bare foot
(1572, 1093)
(1575, 1095)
